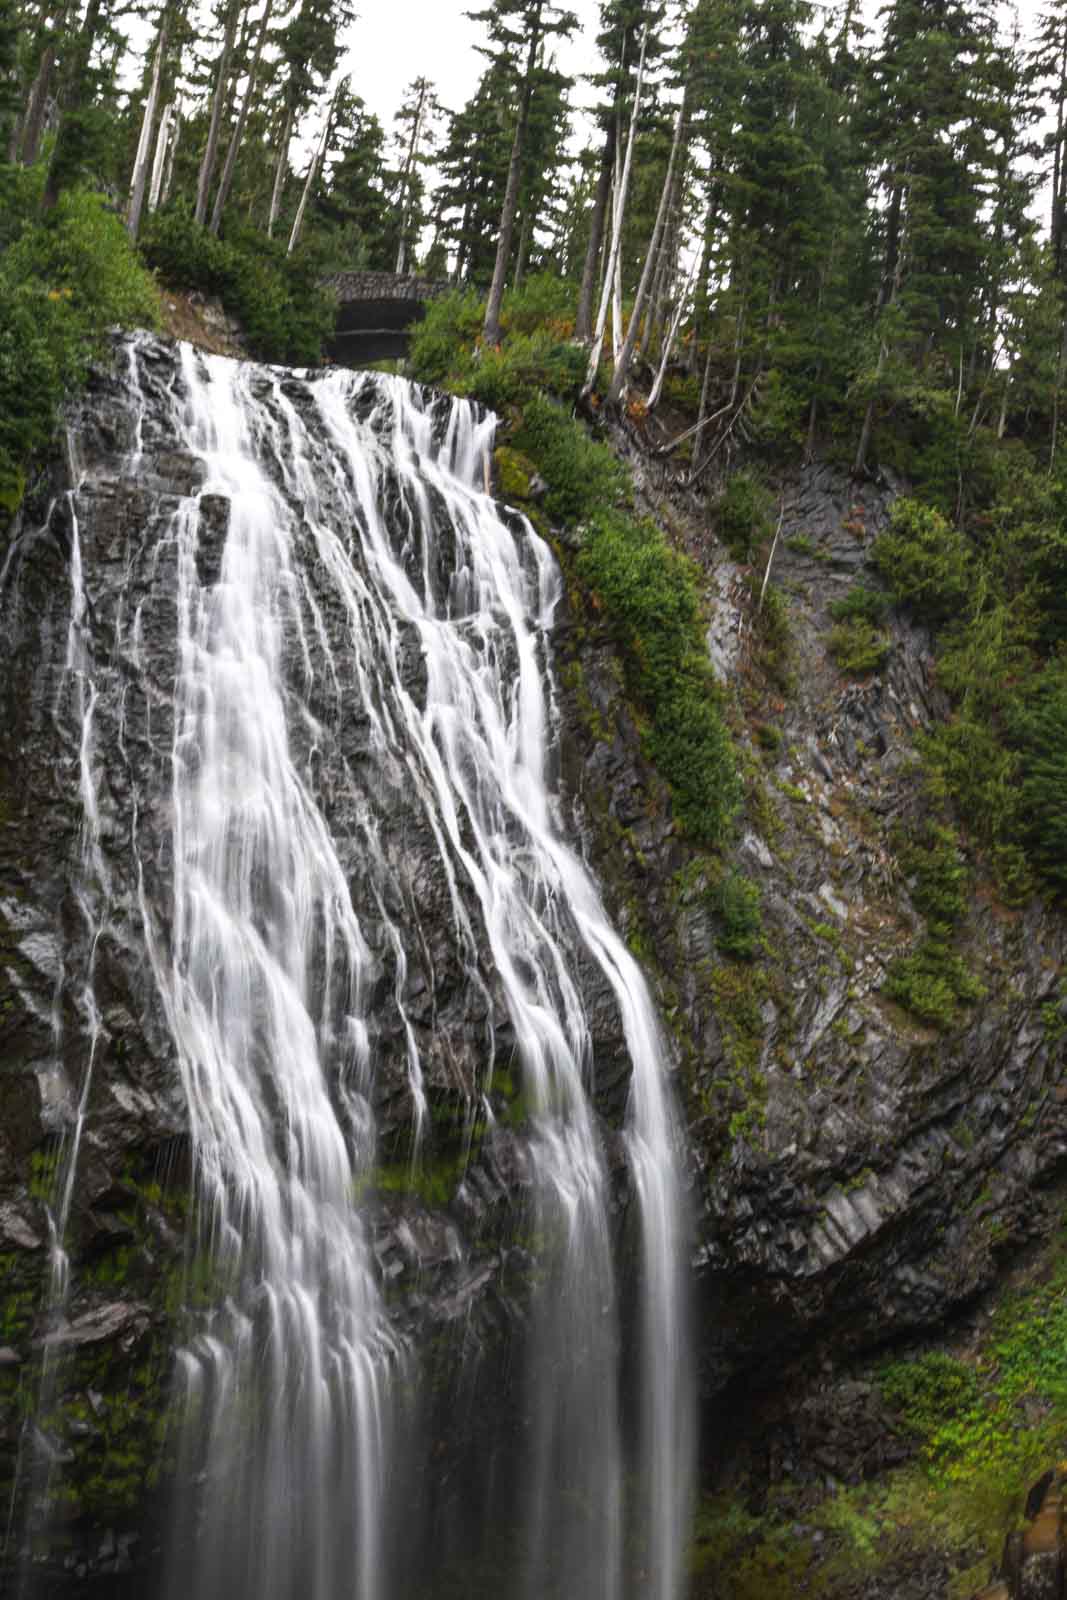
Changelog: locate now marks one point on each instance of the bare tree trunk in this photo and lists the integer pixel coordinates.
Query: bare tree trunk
(160, 162)
(320, 151)
(622, 366)
(38, 51)
(663, 271)
(700, 303)
(144, 143)
(583, 322)
(702, 412)
(618, 215)
(616, 291)
(280, 170)
(168, 170)
(770, 558)
(36, 105)
(211, 149)
(226, 181)
(491, 325)
(668, 343)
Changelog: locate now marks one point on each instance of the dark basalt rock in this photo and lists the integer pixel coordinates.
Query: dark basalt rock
(857, 1176)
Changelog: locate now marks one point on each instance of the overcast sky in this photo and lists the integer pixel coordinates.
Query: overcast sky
(393, 42)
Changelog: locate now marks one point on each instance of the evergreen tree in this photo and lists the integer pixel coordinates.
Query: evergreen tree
(933, 91)
(474, 166)
(518, 30)
(417, 136)
(310, 50)
(352, 202)
(91, 49)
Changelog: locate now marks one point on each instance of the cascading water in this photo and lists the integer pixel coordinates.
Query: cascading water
(363, 653)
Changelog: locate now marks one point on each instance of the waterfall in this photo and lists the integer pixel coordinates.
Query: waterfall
(362, 659)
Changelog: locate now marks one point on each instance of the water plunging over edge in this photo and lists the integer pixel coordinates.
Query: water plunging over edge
(264, 973)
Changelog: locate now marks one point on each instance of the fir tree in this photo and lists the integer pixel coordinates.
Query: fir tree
(518, 30)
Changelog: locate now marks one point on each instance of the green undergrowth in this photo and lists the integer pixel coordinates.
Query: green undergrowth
(735, 901)
(65, 279)
(984, 1425)
(626, 576)
(858, 647)
(932, 979)
(990, 584)
(744, 512)
(285, 315)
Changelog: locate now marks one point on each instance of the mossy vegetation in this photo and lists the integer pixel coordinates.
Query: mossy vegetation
(735, 901)
(743, 514)
(984, 1422)
(738, 991)
(858, 647)
(284, 313)
(65, 278)
(932, 980)
(991, 585)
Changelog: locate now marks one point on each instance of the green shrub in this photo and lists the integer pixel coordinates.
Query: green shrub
(584, 478)
(773, 635)
(736, 902)
(743, 513)
(931, 1391)
(860, 605)
(859, 647)
(942, 877)
(927, 562)
(442, 342)
(545, 302)
(648, 593)
(524, 362)
(64, 282)
(932, 981)
(284, 314)
(1041, 731)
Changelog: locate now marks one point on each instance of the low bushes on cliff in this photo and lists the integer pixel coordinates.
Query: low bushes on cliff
(535, 353)
(993, 592)
(649, 595)
(64, 281)
(932, 980)
(1042, 735)
(283, 313)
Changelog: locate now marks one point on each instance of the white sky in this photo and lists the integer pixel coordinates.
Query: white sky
(392, 42)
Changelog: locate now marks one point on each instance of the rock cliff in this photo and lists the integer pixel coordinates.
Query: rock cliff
(856, 1175)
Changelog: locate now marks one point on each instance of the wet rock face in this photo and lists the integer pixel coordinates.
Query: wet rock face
(87, 718)
(856, 1174)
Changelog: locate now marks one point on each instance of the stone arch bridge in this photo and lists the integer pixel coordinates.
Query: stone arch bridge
(375, 313)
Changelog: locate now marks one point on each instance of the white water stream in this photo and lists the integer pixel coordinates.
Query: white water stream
(357, 525)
